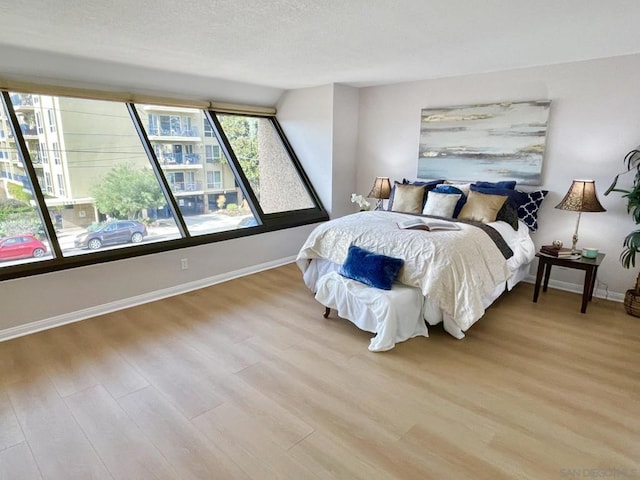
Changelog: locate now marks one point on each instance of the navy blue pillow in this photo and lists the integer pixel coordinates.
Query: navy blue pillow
(370, 268)
(508, 184)
(516, 197)
(453, 190)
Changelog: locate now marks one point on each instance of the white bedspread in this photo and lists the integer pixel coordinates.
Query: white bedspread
(455, 270)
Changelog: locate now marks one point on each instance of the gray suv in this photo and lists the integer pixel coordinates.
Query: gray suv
(112, 233)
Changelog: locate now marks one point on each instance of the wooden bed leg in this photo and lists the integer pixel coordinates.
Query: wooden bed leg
(326, 313)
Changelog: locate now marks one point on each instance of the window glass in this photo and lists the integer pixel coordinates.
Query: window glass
(78, 169)
(100, 174)
(191, 162)
(23, 237)
(266, 163)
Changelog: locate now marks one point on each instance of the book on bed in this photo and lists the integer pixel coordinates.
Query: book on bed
(429, 224)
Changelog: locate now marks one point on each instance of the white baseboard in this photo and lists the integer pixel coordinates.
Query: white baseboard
(86, 313)
(575, 288)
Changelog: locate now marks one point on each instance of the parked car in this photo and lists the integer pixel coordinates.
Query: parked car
(112, 233)
(21, 246)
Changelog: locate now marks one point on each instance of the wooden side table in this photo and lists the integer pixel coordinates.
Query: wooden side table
(589, 265)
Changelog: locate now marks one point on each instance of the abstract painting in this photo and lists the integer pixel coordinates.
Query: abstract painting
(492, 142)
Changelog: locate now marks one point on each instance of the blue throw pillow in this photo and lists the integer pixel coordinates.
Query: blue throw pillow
(516, 197)
(508, 184)
(453, 190)
(528, 211)
(370, 268)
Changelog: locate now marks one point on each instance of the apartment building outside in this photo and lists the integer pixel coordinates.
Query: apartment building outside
(72, 148)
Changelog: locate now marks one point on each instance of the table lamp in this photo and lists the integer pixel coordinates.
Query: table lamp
(381, 190)
(581, 197)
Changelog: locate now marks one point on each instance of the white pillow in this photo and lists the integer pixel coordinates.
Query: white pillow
(463, 187)
(441, 204)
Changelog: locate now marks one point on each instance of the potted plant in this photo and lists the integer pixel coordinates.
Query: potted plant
(631, 244)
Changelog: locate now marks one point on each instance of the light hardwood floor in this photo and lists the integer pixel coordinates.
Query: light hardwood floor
(246, 380)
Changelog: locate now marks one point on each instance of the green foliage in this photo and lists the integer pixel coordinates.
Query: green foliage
(232, 206)
(16, 217)
(125, 191)
(242, 133)
(11, 207)
(631, 242)
(18, 192)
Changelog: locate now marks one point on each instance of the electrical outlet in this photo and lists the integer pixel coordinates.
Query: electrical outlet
(184, 263)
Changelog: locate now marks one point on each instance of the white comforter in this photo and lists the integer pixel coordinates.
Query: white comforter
(455, 270)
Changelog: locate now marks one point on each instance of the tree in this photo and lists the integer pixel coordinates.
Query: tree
(242, 133)
(125, 191)
(11, 207)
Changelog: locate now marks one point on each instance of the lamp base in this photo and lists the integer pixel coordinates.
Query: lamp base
(574, 238)
(379, 204)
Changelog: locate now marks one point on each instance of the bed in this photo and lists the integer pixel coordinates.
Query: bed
(458, 272)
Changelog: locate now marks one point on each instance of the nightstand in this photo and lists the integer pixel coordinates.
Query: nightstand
(589, 265)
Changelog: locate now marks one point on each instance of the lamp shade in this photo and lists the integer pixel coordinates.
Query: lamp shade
(381, 188)
(581, 197)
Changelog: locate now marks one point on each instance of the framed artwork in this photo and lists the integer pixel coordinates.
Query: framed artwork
(492, 142)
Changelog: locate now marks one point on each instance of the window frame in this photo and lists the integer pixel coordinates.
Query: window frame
(265, 222)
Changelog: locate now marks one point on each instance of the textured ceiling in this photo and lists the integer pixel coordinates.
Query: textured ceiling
(300, 43)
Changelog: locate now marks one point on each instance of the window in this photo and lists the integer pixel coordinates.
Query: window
(43, 153)
(61, 190)
(212, 153)
(186, 176)
(208, 131)
(46, 187)
(266, 163)
(56, 153)
(52, 120)
(131, 179)
(39, 123)
(214, 180)
(23, 239)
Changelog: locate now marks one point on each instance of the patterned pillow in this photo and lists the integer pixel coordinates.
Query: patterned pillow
(528, 211)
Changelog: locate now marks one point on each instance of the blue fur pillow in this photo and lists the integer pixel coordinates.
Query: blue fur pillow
(372, 269)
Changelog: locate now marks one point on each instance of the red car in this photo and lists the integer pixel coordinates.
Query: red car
(21, 246)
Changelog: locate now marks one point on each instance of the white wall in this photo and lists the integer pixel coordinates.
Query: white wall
(321, 124)
(306, 116)
(28, 65)
(594, 122)
(345, 135)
